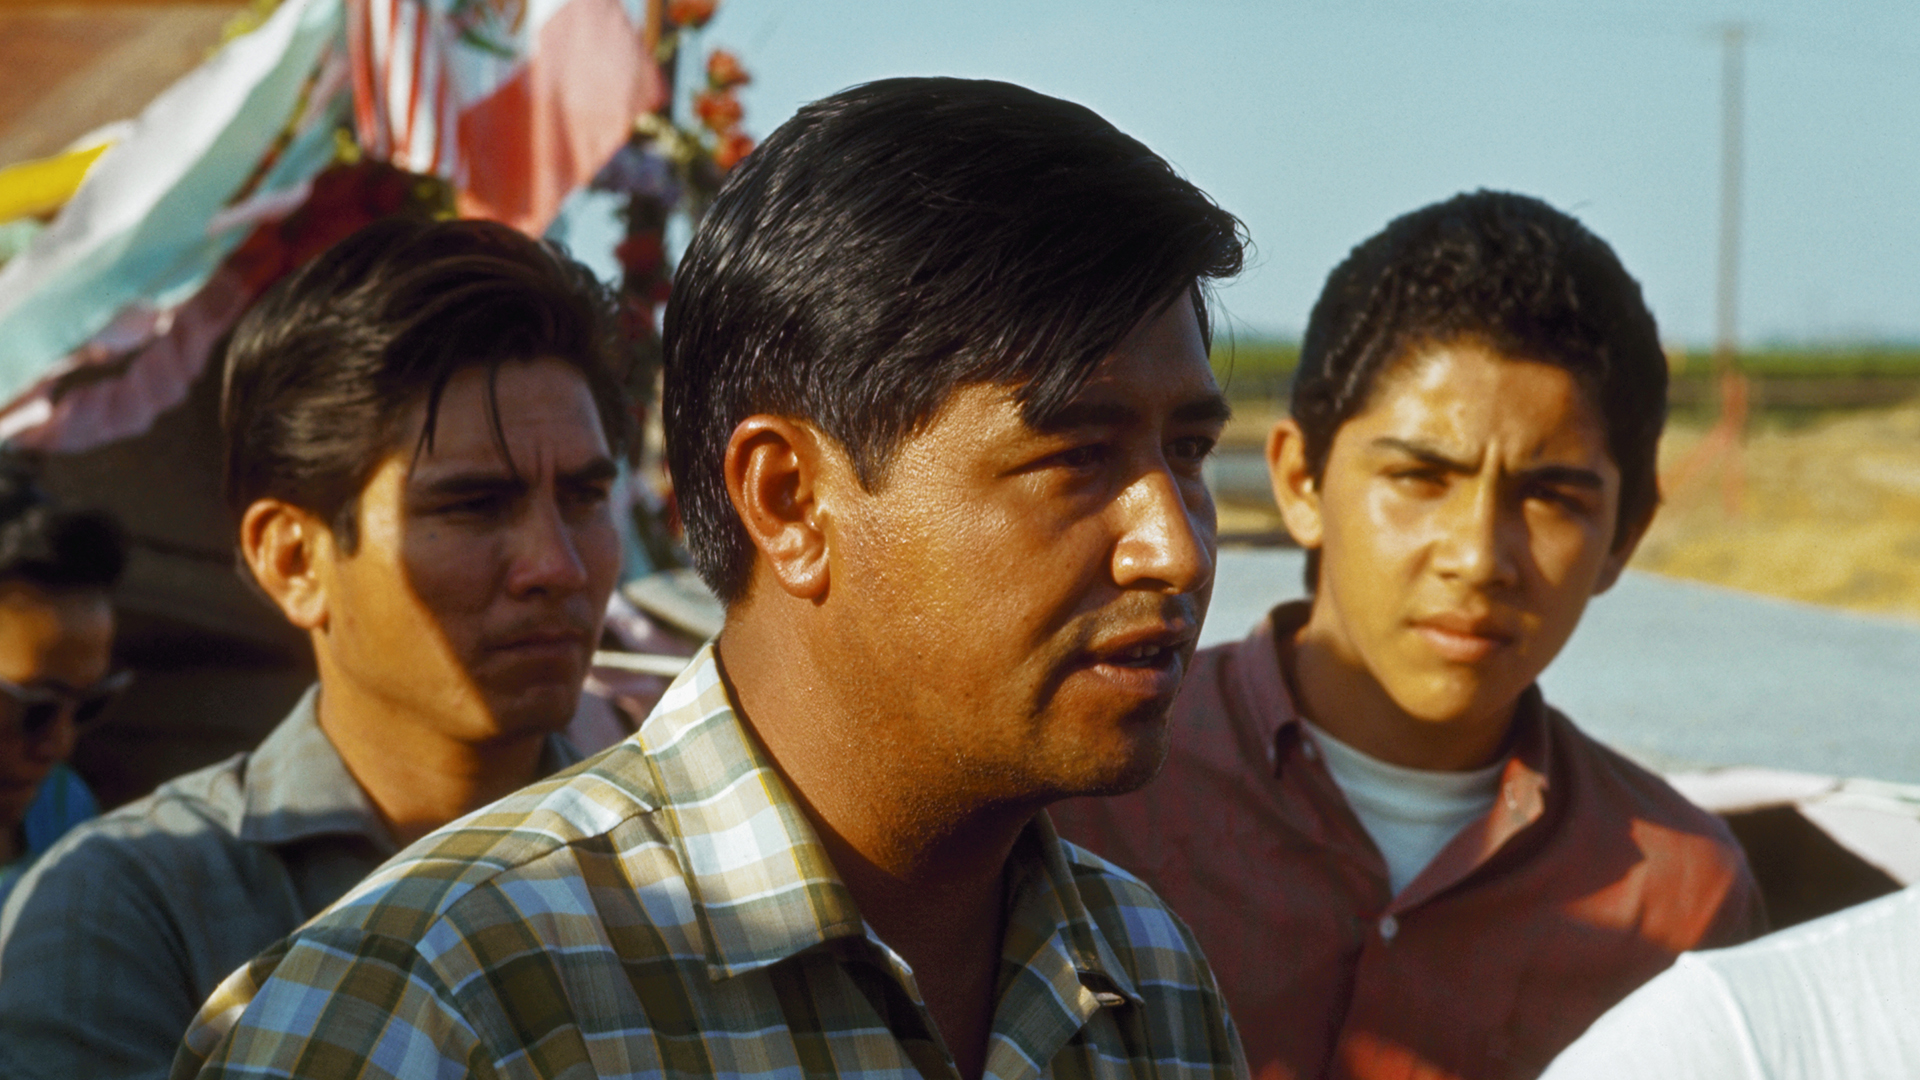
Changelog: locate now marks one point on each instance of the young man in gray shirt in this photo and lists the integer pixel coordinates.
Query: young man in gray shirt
(420, 430)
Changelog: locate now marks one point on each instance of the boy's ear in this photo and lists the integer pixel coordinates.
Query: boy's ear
(1294, 489)
(773, 471)
(290, 553)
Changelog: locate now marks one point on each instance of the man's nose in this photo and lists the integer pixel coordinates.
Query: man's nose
(547, 552)
(1479, 537)
(1167, 535)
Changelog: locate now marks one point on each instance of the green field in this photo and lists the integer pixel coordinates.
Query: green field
(1252, 368)
(1810, 363)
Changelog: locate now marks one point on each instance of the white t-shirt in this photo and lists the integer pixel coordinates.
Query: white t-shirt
(1410, 813)
(1835, 998)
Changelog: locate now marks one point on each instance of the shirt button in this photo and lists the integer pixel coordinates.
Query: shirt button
(1389, 926)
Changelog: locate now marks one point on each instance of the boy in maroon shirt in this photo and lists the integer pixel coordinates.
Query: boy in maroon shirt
(1402, 862)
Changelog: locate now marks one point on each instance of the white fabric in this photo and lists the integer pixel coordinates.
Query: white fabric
(1836, 998)
(1410, 813)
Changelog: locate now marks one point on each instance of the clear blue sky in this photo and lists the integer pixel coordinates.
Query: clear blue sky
(1316, 123)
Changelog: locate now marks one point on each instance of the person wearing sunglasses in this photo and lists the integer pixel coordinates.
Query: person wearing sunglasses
(57, 569)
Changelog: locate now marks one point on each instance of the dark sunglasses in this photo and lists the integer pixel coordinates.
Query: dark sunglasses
(40, 706)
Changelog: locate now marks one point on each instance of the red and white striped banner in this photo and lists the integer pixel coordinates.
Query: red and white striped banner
(516, 102)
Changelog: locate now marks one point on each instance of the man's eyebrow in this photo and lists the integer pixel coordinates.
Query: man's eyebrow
(1566, 476)
(1085, 414)
(1561, 475)
(1212, 409)
(468, 484)
(598, 471)
(1423, 453)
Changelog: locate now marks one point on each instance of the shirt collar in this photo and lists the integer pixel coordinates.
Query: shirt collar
(1524, 784)
(1046, 906)
(761, 884)
(1259, 684)
(1264, 694)
(297, 787)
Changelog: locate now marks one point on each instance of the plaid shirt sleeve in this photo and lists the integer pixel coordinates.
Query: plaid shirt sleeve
(333, 1004)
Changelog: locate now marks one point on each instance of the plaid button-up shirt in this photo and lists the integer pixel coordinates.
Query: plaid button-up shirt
(666, 909)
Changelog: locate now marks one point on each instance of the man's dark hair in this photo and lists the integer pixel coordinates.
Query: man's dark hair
(44, 545)
(897, 241)
(1512, 272)
(321, 373)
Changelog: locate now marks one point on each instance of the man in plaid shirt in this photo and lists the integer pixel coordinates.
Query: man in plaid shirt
(938, 397)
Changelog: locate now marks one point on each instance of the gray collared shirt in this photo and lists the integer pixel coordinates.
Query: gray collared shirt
(109, 945)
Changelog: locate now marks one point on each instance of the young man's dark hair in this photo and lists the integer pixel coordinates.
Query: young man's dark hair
(323, 367)
(1518, 275)
(51, 547)
(938, 400)
(898, 240)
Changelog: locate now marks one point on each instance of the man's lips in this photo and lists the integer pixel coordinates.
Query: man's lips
(555, 642)
(1463, 639)
(1147, 662)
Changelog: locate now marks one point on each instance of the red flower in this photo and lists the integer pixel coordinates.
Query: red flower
(692, 14)
(724, 71)
(719, 110)
(733, 146)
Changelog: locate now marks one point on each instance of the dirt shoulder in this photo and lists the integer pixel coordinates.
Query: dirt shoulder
(1826, 512)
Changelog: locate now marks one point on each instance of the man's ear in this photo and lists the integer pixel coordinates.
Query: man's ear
(1622, 553)
(773, 471)
(290, 553)
(1294, 489)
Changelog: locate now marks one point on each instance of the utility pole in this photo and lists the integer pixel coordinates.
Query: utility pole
(1733, 38)
(1726, 346)
(1723, 444)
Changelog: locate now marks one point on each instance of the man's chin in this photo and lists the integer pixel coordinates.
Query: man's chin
(1124, 764)
(543, 709)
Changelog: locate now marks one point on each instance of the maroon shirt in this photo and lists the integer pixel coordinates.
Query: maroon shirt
(1587, 878)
